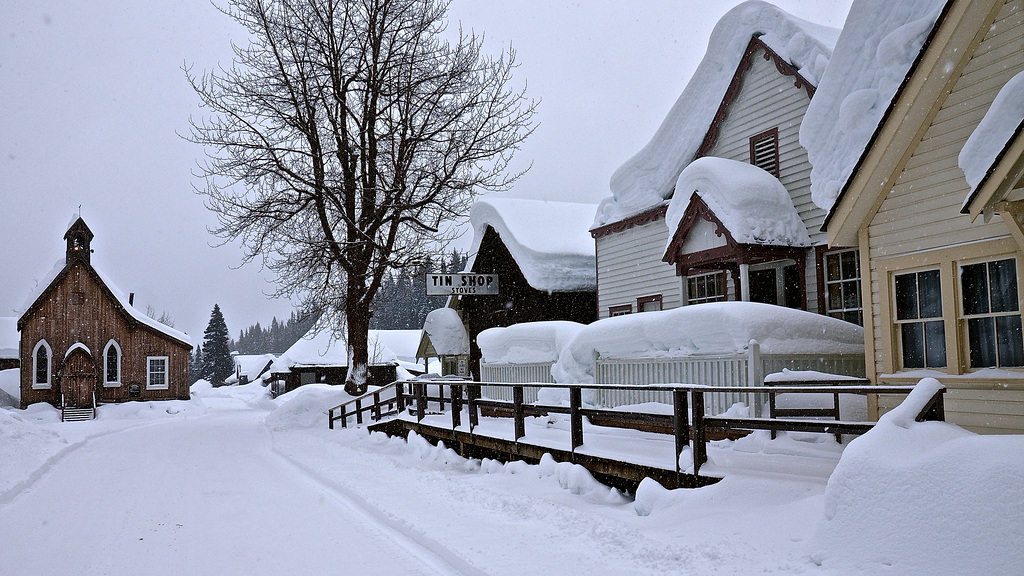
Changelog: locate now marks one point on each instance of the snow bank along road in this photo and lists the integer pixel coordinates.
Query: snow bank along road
(195, 496)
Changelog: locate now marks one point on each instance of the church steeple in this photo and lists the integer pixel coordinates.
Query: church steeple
(79, 239)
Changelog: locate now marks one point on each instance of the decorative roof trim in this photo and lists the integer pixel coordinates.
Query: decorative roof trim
(784, 68)
(696, 210)
(645, 217)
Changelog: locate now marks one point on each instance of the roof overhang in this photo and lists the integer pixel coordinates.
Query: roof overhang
(961, 27)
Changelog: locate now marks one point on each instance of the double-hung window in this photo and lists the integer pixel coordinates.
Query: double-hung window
(842, 286)
(156, 372)
(991, 312)
(919, 321)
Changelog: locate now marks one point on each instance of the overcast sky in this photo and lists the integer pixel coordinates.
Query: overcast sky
(92, 97)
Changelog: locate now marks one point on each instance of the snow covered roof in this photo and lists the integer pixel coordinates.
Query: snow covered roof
(879, 43)
(646, 179)
(751, 203)
(994, 133)
(322, 347)
(61, 265)
(252, 365)
(9, 337)
(705, 329)
(527, 342)
(550, 241)
(446, 332)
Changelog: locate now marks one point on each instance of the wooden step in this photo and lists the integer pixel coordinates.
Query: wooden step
(77, 414)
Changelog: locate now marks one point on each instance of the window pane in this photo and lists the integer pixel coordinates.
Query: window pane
(935, 344)
(912, 337)
(930, 294)
(850, 265)
(1003, 278)
(111, 364)
(1011, 347)
(42, 365)
(981, 336)
(855, 316)
(906, 296)
(851, 296)
(833, 271)
(835, 296)
(974, 282)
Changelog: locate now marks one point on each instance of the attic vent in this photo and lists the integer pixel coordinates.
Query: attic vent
(764, 151)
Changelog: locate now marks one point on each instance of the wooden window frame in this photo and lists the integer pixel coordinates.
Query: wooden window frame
(823, 282)
(112, 344)
(771, 134)
(648, 299)
(924, 321)
(720, 298)
(620, 310)
(150, 373)
(963, 318)
(35, 366)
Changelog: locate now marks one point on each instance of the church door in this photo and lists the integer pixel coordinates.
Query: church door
(78, 379)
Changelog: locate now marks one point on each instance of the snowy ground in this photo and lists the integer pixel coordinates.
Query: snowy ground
(231, 482)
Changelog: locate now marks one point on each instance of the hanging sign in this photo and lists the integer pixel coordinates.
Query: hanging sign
(461, 284)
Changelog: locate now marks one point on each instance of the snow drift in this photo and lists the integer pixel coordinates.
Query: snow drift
(446, 332)
(528, 342)
(703, 329)
(1000, 123)
(909, 497)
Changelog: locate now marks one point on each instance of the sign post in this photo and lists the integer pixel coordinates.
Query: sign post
(462, 284)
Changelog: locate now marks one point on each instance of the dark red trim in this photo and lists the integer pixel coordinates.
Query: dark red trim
(645, 299)
(627, 308)
(784, 68)
(645, 217)
(773, 135)
(696, 210)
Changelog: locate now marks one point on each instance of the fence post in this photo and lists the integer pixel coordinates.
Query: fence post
(330, 419)
(517, 409)
(456, 405)
(700, 448)
(575, 417)
(681, 423)
(472, 393)
(359, 411)
(421, 400)
(440, 397)
(400, 395)
(375, 414)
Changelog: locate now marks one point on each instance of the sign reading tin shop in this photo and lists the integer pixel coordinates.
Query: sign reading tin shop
(458, 284)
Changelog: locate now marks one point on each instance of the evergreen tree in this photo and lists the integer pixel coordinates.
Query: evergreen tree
(217, 362)
(195, 366)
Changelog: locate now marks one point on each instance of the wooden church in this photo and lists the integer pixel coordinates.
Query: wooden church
(83, 343)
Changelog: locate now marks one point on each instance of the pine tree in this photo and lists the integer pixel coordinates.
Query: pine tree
(195, 366)
(217, 362)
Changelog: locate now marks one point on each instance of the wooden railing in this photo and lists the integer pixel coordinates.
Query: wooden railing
(687, 423)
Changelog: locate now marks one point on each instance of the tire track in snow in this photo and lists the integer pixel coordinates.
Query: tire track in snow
(439, 558)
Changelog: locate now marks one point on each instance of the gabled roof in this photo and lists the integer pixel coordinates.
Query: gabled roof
(752, 205)
(118, 298)
(993, 157)
(799, 48)
(549, 241)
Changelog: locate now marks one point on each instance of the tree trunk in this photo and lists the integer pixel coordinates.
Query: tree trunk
(358, 325)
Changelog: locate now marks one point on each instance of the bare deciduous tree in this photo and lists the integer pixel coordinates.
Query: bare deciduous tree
(344, 136)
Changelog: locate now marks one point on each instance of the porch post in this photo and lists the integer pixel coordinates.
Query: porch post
(745, 282)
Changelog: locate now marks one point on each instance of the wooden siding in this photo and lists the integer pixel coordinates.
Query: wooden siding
(921, 213)
(94, 322)
(768, 99)
(629, 266)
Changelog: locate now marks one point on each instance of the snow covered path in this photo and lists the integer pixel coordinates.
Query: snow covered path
(204, 496)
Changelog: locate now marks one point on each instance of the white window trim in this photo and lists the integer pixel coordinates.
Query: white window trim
(826, 283)
(964, 340)
(690, 301)
(49, 366)
(117, 383)
(167, 375)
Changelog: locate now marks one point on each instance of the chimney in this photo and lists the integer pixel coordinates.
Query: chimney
(131, 298)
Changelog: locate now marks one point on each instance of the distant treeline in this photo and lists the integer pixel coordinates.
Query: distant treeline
(273, 339)
(402, 302)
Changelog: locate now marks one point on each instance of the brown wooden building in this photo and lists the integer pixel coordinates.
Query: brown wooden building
(83, 342)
